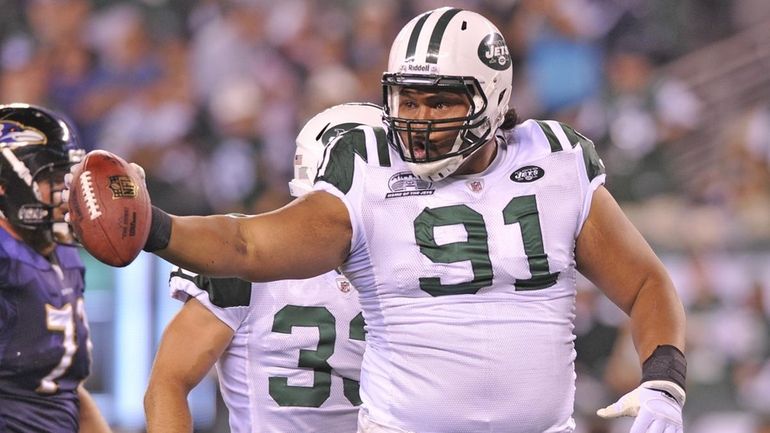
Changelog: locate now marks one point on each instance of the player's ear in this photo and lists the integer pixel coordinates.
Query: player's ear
(2, 189)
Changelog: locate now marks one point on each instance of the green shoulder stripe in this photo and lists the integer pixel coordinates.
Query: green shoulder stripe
(339, 160)
(553, 141)
(223, 292)
(383, 149)
(594, 164)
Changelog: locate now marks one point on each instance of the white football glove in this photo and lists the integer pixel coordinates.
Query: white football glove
(65, 194)
(140, 170)
(656, 404)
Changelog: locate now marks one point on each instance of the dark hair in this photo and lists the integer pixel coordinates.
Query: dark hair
(510, 120)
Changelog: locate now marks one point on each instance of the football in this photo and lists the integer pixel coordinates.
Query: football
(109, 208)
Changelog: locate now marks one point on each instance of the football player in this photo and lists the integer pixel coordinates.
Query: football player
(462, 231)
(44, 343)
(288, 353)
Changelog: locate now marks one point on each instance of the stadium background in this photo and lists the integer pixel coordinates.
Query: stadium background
(208, 95)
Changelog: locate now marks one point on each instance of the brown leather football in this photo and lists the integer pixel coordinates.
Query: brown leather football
(109, 208)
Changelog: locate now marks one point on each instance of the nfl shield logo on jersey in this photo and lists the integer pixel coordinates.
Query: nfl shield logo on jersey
(343, 284)
(475, 185)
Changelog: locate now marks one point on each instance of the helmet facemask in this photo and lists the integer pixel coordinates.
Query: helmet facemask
(39, 213)
(38, 209)
(415, 138)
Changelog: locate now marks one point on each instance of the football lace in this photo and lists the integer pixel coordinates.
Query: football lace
(89, 196)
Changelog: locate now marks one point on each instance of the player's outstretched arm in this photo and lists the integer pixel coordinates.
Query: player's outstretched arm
(305, 238)
(191, 344)
(91, 419)
(612, 253)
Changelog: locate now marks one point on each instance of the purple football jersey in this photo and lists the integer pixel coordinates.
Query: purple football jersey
(44, 343)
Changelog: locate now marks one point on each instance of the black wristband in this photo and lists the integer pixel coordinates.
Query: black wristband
(666, 363)
(160, 231)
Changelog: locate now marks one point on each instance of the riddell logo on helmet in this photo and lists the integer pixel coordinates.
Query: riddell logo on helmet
(419, 67)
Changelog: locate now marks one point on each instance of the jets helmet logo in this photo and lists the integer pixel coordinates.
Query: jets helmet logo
(494, 53)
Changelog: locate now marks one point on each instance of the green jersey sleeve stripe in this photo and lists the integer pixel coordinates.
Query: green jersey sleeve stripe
(558, 131)
(180, 273)
(339, 164)
(573, 136)
(383, 149)
(594, 164)
(223, 292)
(228, 292)
(553, 141)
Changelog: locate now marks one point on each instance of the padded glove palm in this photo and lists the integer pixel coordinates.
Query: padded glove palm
(656, 404)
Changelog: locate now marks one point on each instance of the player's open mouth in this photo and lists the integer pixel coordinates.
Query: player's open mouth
(418, 151)
(422, 150)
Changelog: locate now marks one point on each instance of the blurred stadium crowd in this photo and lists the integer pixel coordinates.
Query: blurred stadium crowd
(208, 95)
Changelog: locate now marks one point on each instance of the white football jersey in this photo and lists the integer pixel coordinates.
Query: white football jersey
(294, 362)
(468, 284)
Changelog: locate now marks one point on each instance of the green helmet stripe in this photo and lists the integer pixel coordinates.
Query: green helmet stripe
(412, 47)
(438, 34)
